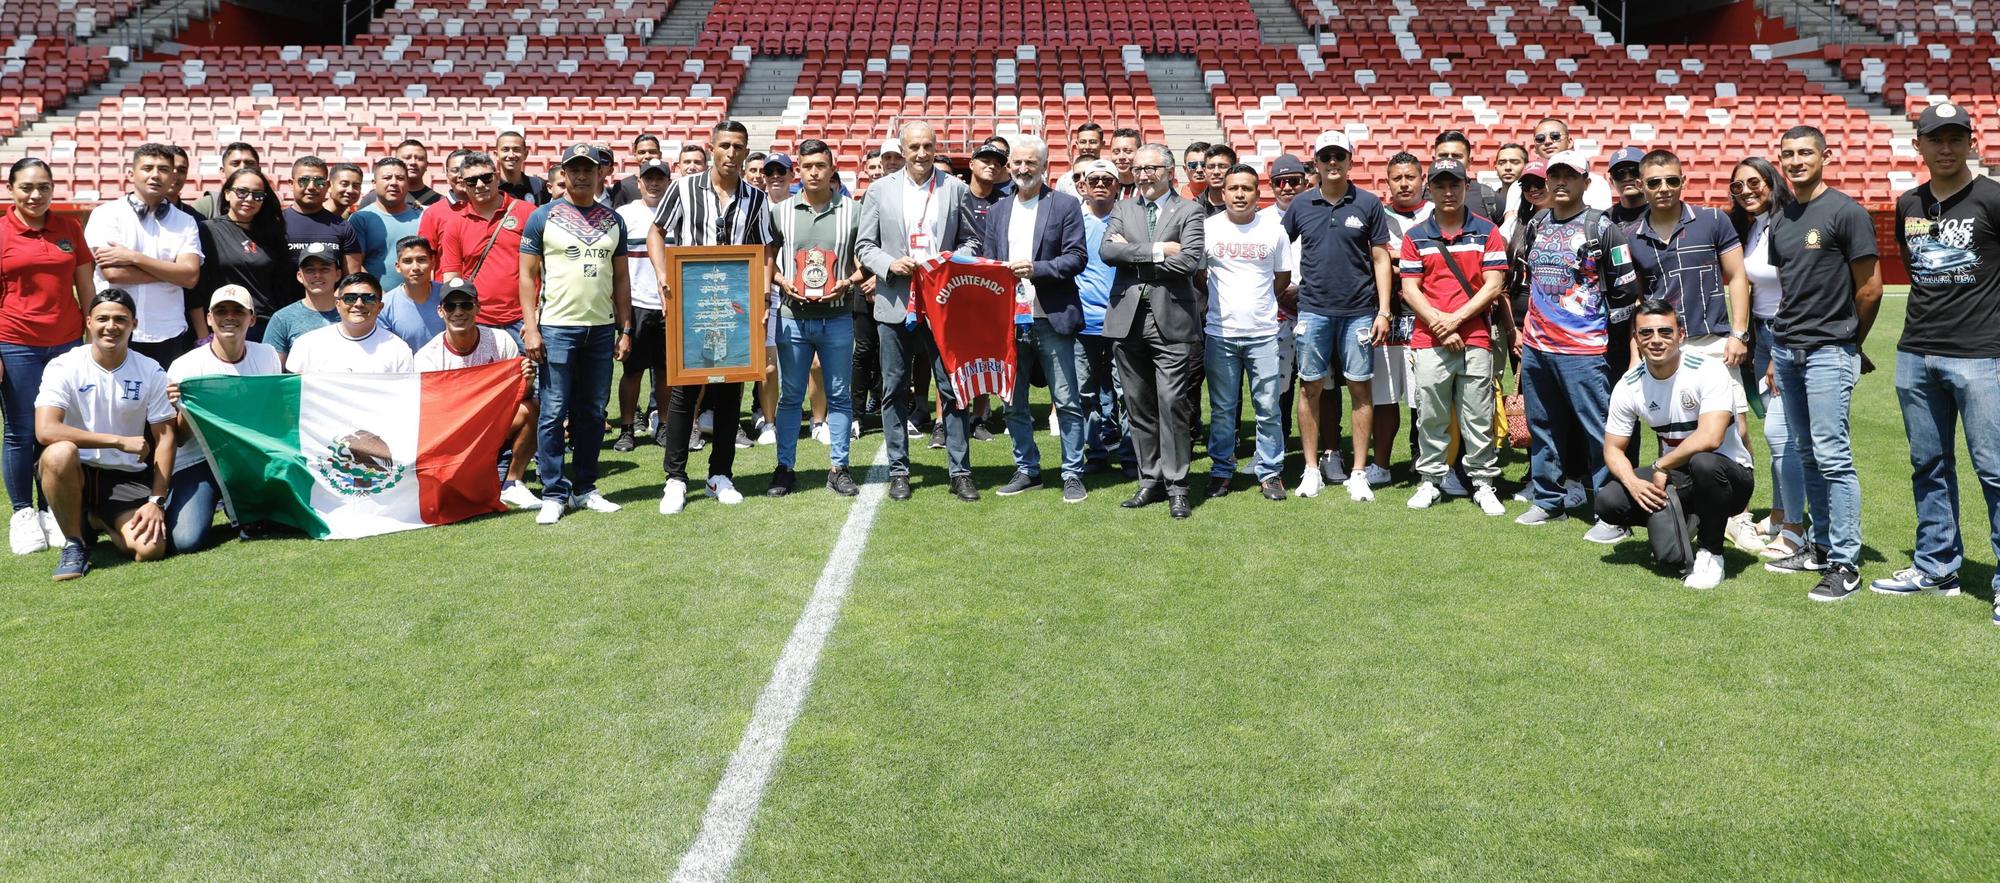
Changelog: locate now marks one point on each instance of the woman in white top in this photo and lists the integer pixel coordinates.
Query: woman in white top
(1755, 189)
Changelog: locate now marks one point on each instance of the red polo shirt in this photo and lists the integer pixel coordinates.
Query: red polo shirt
(38, 281)
(464, 235)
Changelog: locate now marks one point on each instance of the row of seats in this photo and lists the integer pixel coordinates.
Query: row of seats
(1156, 25)
(41, 72)
(488, 17)
(1439, 16)
(1946, 68)
(62, 18)
(1925, 16)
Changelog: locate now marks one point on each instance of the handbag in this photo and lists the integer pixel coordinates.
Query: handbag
(1512, 410)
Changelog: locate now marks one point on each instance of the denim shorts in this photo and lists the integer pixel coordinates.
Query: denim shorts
(1324, 339)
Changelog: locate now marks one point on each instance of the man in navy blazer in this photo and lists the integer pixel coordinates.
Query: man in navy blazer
(1039, 233)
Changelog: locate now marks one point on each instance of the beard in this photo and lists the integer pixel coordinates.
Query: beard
(1026, 182)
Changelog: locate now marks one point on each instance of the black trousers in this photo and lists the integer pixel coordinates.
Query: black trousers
(1713, 488)
(867, 376)
(725, 400)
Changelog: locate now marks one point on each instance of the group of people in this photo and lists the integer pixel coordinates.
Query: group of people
(1619, 306)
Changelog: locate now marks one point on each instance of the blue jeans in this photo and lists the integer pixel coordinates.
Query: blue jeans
(1104, 424)
(191, 502)
(1788, 478)
(575, 385)
(1056, 353)
(1227, 359)
(1817, 387)
(1564, 394)
(798, 341)
(1935, 391)
(23, 367)
(1327, 342)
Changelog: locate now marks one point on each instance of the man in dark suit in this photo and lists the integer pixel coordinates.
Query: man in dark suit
(908, 218)
(1039, 233)
(1154, 242)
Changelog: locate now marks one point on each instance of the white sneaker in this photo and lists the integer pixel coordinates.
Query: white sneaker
(724, 490)
(854, 429)
(1357, 487)
(1537, 516)
(822, 434)
(768, 434)
(595, 502)
(52, 529)
(1489, 502)
(1744, 534)
(705, 423)
(1309, 483)
(1054, 428)
(1377, 476)
(1573, 494)
(1453, 486)
(24, 532)
(517, 495)
(551, 512)
(674, 498)
(1427, 494)
(1521, 496)
(1606, 534)
(1707, 572)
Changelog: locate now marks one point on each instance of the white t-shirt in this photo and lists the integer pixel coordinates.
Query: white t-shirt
(1673, 407)
(493, 346)
(1243, 263)
(330, 351)
(120, 402)
(923, 211)
(638, 218)
(202, 361)
(1764, 290)
(165, 236)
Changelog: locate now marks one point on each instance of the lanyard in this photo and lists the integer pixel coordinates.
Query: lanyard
(924, 217)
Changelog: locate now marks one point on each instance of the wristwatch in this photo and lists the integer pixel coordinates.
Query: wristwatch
(1741, 336)
(627, 331)
(157, 500)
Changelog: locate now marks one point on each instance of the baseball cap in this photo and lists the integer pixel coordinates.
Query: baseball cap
(1333, 139)
(319, 251)
(892, 146)
(235, 294)
(1099, 167)
(461, 289)
(1446, 168)
(993, 147)
(1625, 156)
(1536, 169)
(653, 165)
(596, 156)
(1939, 116)
(1287, 164)
(1571, 159)
(778, 159)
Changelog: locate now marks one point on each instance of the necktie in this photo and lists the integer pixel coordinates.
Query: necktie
(1152, 216)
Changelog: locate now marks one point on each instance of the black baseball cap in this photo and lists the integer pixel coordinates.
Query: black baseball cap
(1942, 116)
(458, 289)
(652, 166)
(1446, 168)
(995, 146)
(1287, 164)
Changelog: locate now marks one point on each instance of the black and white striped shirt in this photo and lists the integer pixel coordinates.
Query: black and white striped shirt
(690, 214)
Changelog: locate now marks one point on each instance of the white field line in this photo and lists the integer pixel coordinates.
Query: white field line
(732, 809)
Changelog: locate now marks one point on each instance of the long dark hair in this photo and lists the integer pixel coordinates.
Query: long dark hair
(1774, 183)
(267, 228)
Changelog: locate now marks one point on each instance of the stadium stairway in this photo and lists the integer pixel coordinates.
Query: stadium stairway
(1187, 114)
(1829, 77)
(35, 140)
(151, 23)
(683, 24)
(1279, 23)
(760, 101)
(1822, 21)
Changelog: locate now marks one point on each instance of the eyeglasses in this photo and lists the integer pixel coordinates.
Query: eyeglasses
(352, 299)
(460, 306)
(310, 181)
(251, 195)
(1550, 137)
(1668, 182)
(476, 180)
(1665, 332)
(1289, 181)
(1101, 181)
(1747, 185)
(1152, 169)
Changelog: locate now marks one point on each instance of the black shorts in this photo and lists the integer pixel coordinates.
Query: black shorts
(109, 493)
(649, 340)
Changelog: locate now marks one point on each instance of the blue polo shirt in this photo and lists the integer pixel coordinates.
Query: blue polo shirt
(1336, 269)
(1685, 269)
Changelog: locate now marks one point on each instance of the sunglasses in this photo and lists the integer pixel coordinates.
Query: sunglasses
(1331, 155)
(1550, 137)
(1625, 173)
(1668, 182)
(1662, 332)
(1534, 184)
(1101, 181)
(460, 306)
(310, 181)
(476, 180)
(1747, 185)
(352, 299)
(1289, 181)
(1196, 165)
(251, 195)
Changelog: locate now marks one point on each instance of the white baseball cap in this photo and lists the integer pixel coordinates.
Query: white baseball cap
(1099, 167)
(1333, 139)
(892, 146)
(235, 294)
(1571, 158)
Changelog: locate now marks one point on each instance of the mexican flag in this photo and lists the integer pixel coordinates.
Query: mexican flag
(340, 456)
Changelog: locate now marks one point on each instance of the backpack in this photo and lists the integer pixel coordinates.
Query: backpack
(1618, 304)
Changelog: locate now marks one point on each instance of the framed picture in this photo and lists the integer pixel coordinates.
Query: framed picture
(715, 320)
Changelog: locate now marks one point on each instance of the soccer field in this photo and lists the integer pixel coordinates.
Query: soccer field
(1015, 690)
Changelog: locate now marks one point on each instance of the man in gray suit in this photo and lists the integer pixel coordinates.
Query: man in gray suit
(909, 218)
(1154, 242)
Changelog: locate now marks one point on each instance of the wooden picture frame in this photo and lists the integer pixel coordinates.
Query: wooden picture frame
(716, 318)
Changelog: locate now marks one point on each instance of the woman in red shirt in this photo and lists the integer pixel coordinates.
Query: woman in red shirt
(45, 278)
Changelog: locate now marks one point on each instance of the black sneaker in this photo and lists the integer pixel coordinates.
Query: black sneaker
(981, 433)
(74, 563)
(937, 436)
(1218, 486)
(1274, 488)
(626, 440)
(840, 482)
(782, 479)
(1020, 483)
(963, 488)
(1808, 558)
(1073, 491)
(1840, 581)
